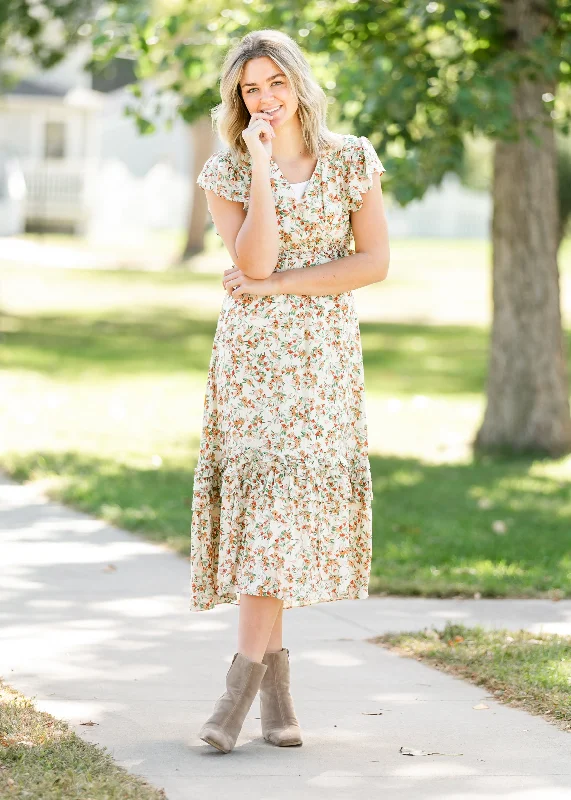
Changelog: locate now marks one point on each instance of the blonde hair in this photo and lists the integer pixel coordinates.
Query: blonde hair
(231, 116)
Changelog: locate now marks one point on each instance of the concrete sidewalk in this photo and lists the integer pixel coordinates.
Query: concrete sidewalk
(117, 645)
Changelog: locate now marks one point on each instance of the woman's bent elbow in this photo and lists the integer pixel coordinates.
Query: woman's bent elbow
(384, 269)
(257, 271)
(381, 263)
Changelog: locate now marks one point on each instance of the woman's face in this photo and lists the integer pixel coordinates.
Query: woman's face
(265, 87)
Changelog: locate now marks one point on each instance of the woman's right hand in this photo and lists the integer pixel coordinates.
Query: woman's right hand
(258, 136)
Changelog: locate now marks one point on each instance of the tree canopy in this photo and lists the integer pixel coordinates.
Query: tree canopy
(32, 31)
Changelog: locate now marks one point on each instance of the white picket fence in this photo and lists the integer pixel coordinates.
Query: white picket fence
(105, 200)
(12, 196)
(448, 211)
(57, 192)
(123, 204)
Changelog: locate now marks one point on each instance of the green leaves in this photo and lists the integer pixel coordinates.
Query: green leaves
(41, 32)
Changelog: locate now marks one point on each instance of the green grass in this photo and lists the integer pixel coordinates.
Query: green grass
(408, 359)
(101, 396)
(527, 670)
(41, 758)
(500, 528)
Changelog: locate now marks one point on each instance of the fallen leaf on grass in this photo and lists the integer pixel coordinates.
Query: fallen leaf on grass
(480, 706)
(8, 741)
(407, 751)
(89, 723)
(499, 526)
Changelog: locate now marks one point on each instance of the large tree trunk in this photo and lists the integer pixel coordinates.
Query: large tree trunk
(528, 405)
(202, 138)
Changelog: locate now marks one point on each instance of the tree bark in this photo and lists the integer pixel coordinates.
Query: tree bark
(202, 139)
(527, 395)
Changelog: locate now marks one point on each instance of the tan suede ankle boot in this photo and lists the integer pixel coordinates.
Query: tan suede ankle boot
(243, 680)
(279, 723)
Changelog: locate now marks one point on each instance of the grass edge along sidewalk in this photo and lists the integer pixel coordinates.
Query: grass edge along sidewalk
(531, 671)
(42, 758)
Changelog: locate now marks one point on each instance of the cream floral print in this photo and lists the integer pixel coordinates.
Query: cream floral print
(282, 487)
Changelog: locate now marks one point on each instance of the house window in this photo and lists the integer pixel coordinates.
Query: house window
(55, 140)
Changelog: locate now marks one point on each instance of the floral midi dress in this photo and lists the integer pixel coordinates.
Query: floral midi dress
(281, 501)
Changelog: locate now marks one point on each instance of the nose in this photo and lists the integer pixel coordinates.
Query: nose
(266, 96)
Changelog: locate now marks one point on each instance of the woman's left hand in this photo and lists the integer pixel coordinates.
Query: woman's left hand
(236, 283)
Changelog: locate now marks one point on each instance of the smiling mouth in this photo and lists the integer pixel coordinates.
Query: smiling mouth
(272, 111)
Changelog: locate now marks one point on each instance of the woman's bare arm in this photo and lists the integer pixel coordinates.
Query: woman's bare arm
(251, 238)
(368, 264)
(258, 243)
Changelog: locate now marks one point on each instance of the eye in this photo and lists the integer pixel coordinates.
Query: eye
(253, 87)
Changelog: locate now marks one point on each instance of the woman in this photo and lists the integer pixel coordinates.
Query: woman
(282, 488)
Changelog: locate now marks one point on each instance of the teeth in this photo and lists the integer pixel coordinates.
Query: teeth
(272, 110)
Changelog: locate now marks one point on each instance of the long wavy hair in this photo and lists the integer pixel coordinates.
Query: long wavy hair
(231, 116)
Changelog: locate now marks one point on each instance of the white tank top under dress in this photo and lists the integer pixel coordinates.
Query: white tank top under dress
(299, 189)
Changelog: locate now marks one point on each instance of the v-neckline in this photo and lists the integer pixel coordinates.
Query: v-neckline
(309, 186)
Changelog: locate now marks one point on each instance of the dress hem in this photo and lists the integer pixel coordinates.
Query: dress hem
(359, 594)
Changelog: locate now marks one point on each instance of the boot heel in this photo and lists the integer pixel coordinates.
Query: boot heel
(243, 680)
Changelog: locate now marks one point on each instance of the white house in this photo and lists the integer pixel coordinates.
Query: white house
(51, 131)
(86, 167)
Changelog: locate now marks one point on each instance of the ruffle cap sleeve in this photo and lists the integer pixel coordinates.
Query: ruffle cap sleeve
(363, 161)
(223, 176)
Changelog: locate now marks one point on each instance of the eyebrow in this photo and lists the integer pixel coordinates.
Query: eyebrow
(277, 75)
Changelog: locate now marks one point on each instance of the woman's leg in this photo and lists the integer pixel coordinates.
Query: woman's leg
(275, 641)
(258, 615)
